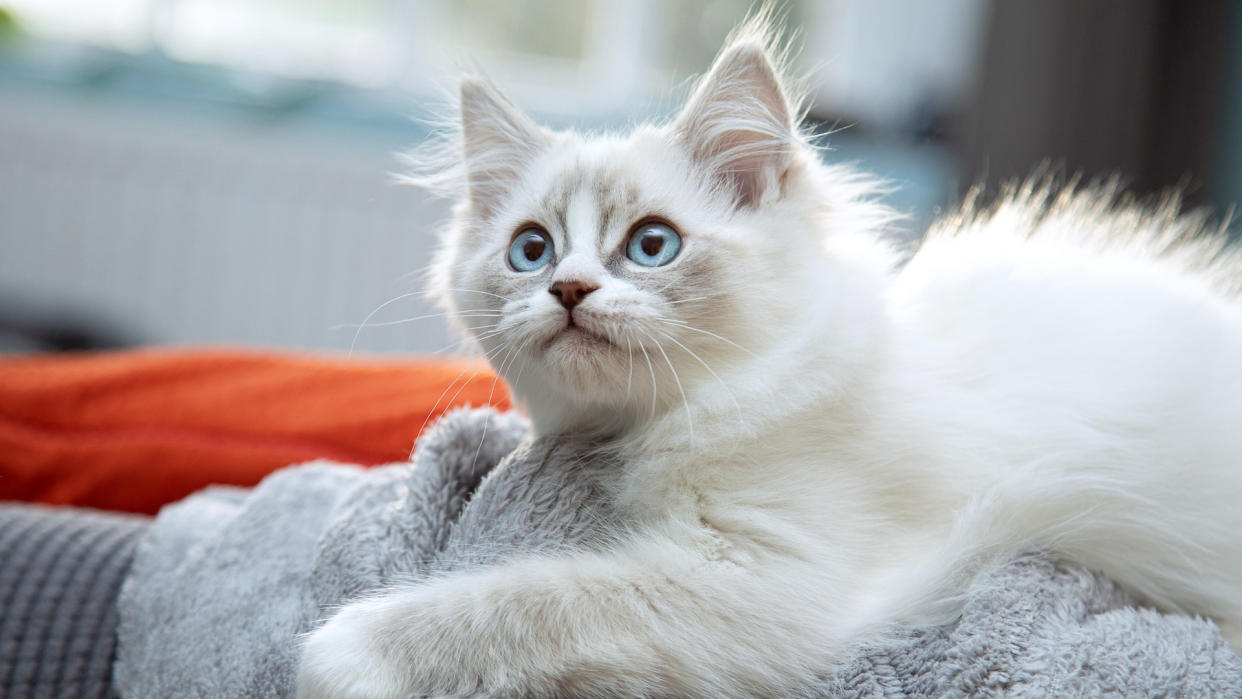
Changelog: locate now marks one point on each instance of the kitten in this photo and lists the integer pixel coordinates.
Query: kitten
(821, 446)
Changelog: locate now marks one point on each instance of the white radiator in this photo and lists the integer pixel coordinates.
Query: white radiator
(189, 228)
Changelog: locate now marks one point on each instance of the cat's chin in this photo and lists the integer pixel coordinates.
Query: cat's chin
(587, 362)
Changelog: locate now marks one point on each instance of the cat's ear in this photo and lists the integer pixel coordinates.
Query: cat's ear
(498, 142)
(738, 125)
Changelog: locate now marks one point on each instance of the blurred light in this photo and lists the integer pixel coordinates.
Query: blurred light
(124, 25)
(344, 40)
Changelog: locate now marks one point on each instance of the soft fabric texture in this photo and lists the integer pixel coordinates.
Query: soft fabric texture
(1039, 629)
(135, 430)
(60, 573)
(225, 581)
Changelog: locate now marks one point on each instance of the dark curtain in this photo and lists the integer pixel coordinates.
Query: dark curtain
(1135, 87)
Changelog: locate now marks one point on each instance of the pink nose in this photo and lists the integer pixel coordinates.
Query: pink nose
(571, 293)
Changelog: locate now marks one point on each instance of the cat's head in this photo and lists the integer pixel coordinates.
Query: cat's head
(610, 279)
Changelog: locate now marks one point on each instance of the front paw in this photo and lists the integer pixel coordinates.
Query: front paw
(343, 659)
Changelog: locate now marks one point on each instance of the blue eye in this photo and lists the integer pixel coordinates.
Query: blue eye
(530, 250)
(653, 244)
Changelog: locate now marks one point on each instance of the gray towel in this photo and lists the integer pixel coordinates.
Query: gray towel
(60, 572)
(226, 580)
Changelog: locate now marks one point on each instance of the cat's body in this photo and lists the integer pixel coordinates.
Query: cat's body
(821, 447)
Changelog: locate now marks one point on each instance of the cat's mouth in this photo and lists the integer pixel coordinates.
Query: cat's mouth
(576, 335)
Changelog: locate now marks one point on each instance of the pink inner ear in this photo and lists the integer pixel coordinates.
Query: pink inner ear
(738, 123)
(745, 163)
(746, 159)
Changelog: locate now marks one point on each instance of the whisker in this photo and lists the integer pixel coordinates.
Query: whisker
(445, 392)
(736, 406)
(488, 418)
(659, 291)
(456, 343)
(687, 326)
(426, 292)
(371, 315)
(690, 300)
(477, 291)
(366, 322)
(684, 399)
(629, 348)
(497, 355)
(388, 323)
(489, 334)
(650, 368)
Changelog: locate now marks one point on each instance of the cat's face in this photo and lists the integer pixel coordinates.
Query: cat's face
(609, 279)
(602, 273)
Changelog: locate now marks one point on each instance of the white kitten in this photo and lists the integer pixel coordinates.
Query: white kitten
(819, 447)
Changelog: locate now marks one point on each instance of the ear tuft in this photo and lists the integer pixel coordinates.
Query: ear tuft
(498, 142)
(739, 123)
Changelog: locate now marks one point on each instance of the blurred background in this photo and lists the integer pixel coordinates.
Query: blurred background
(220, 171)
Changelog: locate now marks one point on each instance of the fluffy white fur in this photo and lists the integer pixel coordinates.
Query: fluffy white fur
(822, 446)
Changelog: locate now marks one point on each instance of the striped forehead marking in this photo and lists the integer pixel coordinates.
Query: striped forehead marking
(581, 217)
(587, 203)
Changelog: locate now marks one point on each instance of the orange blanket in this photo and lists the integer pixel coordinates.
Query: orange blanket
(135, 430)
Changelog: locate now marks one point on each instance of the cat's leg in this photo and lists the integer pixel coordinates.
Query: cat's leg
(654, 617)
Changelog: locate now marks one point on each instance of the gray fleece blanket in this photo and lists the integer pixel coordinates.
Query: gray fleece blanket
(225, 581)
